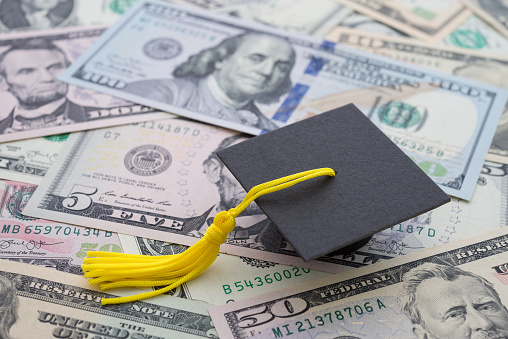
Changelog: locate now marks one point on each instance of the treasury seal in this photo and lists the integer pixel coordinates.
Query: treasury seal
(162, 49)
(19, 200)
(147, 160)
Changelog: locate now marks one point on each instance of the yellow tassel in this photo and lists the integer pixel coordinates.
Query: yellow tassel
(112, 270)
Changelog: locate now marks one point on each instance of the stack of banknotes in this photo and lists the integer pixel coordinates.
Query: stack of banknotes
(111, 112)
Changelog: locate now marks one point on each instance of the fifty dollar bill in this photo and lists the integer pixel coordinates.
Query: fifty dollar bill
(458, 290)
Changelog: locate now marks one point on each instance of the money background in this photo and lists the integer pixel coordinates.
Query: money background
(480, 37)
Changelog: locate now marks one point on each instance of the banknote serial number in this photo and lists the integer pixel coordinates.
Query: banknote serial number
(55, 230)
(168, 128)
(267, 279)
(413, 146)
(417, 230)
(326, 318)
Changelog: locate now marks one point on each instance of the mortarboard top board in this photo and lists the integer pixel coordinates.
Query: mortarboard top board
(376, 186)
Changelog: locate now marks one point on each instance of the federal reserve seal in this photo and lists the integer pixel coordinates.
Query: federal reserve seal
(147, 160)
(162, 49)
(19, 200)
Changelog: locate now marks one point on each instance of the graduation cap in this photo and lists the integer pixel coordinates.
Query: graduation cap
(361, 183)
(377, 185)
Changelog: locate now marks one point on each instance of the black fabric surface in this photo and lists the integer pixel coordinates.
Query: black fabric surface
(377, 185)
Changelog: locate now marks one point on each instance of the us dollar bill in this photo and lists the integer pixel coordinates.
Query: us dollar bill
(317, 68)
(296, 16)
(362, 22)
(35, 103)
(495, 12)
(455, 221)
(489, 68)
(43, 303)
(29, 160)
(230, 278)
(42, 242)
(162, 180)
(426, 20)
(35, 15)
(458, 290)
(473, 35)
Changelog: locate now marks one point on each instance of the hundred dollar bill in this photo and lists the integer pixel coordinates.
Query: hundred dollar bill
(427, 20)
(16, 15)
(161, 180)
(297, 16)
(495, 12)
(40, 303)
(225, 92)
(29, 160)
(489, 68)
(230, 277)
(458, 290)
(45, 243)
(35, 103)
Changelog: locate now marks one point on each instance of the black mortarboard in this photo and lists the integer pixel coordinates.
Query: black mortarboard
(376, 186)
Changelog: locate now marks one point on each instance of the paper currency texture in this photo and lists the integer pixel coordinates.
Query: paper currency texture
(427, 20)
(453, 291)
(26, 15)
(489, 68)
(45, 243)
(161, 180)
(256, 72)
(42, 303)
(35, 103)
(230, 277)
(29, 160)
(495, 12)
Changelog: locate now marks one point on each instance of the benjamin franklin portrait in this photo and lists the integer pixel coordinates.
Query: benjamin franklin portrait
(228, 80)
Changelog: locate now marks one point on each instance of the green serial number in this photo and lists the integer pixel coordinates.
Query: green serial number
(55, 230)
(411, 145)
(327, 318)
(277, 276)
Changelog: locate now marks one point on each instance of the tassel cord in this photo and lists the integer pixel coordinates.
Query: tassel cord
(112, 270)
